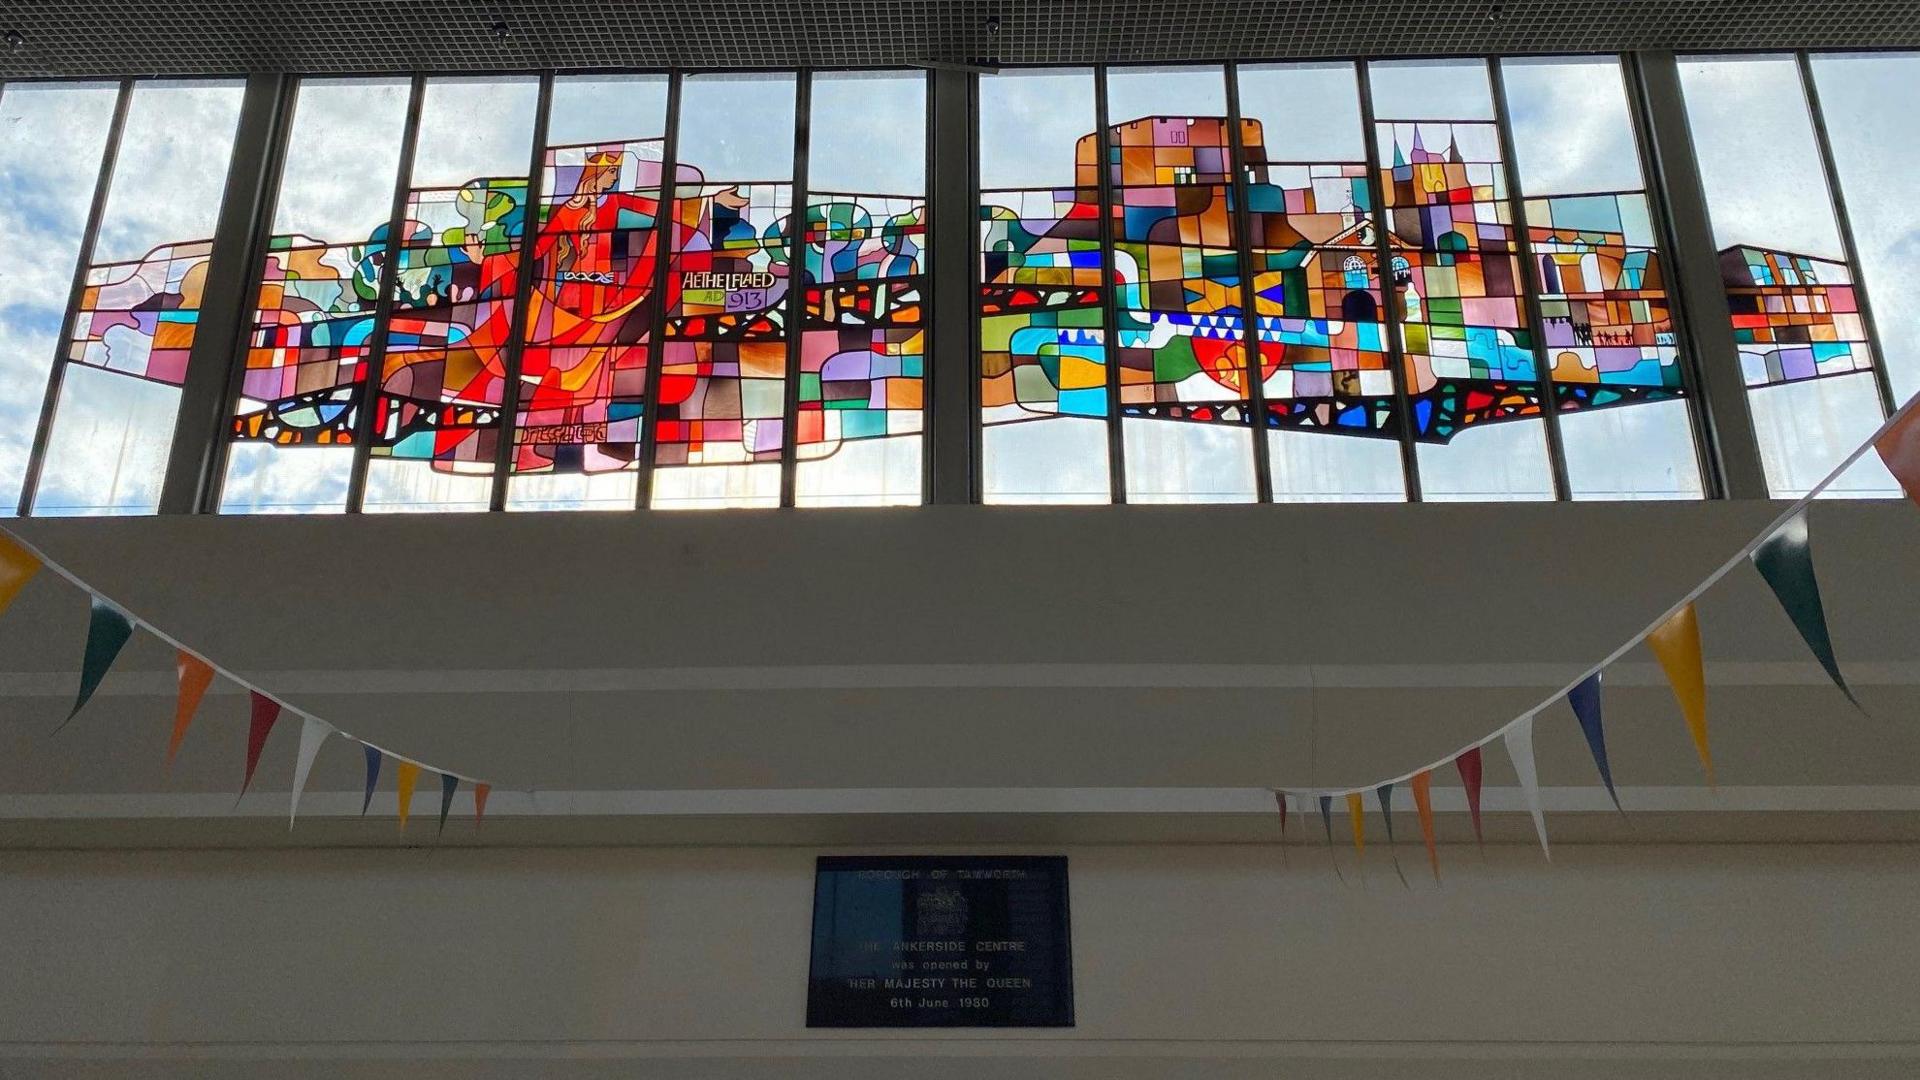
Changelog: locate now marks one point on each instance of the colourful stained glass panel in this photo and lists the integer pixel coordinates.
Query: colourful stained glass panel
(1042, 351)
(863, 342)
(1795, 317)
(1468, 354)
(308, 348)
(139, 317)
(723, 376)
(591, 309)
(1178, 335)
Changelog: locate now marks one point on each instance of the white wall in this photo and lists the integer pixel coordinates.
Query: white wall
(1233, 960)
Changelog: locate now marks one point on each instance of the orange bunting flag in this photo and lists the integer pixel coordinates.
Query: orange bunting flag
(405, 775)
(1422, 785)
(1899, 448)
(1676, 644)
(1357, 814)
(195, 676)
(17, 567)
(480, 793)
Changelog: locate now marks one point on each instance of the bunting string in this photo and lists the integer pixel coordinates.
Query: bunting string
(110, 625)
(1897, 441)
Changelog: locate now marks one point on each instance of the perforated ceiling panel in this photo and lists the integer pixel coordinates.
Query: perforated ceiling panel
(135, 37)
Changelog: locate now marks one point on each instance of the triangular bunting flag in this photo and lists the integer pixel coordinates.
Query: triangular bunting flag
(1785, 560)
(1899, 448)
(1326, 822)
(313, 732)
(1422, 785)
(449, 783)
(1280, 797)
(195, 676)
(480, 793)
(1385, 794)
(373, 776)
(17, 567)
(1585, 700)
(1676, 644)
(107, 632)
(1357, 817)
(266, 712)
(1519, 740)
(405, 774)
(1470, 770)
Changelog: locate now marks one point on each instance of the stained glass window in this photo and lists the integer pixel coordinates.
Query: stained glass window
(1179, 338)
(133, 327)
(593, 302)
(1331, 427)
(437, 409)
(1043, 372)
(312, 328)
(51, 139)
(1608, 326)
(863, 350)
(1796, 313)
(1468, 349)
(724, 364)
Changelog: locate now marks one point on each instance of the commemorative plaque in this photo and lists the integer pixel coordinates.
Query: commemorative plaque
(938, 941)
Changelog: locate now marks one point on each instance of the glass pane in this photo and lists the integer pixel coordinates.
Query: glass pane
(436, 419)
(307, 350)
(135, 326)
(51, 139)
(1325, 366)
(723, 376)
(1458, 284)
(1872, 107)
(1043, 370)
(1789, 288)
(1179, 335)
(593, 305)
(863, 341)
(1610, 340)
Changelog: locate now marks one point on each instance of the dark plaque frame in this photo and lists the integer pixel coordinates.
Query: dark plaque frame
(940, 941)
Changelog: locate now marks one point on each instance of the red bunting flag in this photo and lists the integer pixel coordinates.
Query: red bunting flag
(195, 676)
(1469, 765)
(1357, 816)
(265, 712)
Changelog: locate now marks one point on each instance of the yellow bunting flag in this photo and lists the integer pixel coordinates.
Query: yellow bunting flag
(17, 567)
(404, 777)
(1357, 814)
(195, 676)
(1676, 644)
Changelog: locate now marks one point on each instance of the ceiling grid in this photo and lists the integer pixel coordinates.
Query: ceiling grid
(219, 37)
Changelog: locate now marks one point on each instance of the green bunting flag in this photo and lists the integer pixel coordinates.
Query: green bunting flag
(1785, 560)
(108, 629)
(449, 783)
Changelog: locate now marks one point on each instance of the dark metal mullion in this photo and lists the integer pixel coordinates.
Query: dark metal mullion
(523, 295)
(1249, 310)
(217, 364)
(1711, 478)
(796, 283)
(1844, 222)
(1390, 311)
(369, 389)
(1531, 284)
(83, 263)
(1109, 302)
(666, 210)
